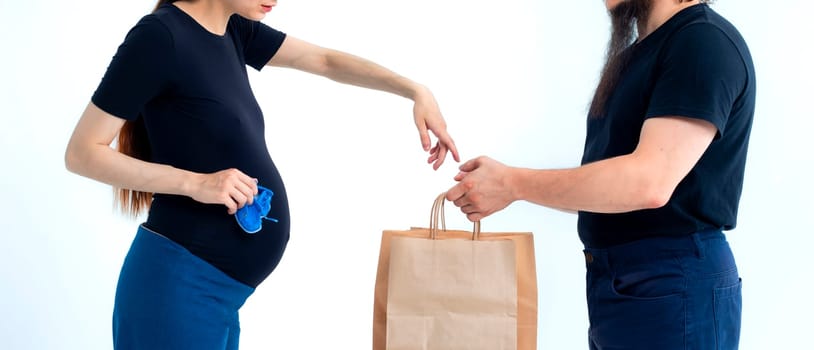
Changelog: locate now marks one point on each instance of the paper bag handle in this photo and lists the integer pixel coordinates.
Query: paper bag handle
(437, 217)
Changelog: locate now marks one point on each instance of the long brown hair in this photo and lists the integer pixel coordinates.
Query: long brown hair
(132, 141)
(624, 18)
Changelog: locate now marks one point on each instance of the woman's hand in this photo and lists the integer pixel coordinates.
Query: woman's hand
(349, 69)
(427, 116)
(229, 187)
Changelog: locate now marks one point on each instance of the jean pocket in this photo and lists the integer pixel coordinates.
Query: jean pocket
(727, 310)
(654, 280)
(639, 321)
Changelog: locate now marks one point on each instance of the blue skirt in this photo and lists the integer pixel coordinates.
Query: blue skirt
(168, 298)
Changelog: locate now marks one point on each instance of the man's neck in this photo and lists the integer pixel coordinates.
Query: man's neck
(661, 12)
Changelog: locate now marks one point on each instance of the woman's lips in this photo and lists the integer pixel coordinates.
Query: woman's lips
(266, 8)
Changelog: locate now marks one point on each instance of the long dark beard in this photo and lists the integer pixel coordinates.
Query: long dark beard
(625, 18)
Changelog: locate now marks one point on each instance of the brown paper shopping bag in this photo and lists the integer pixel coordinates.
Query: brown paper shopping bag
(446, 289)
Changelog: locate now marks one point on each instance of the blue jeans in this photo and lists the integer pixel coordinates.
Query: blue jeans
(168, 298)
(664, 293)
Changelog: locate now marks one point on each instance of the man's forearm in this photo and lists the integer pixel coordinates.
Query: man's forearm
(614, 185)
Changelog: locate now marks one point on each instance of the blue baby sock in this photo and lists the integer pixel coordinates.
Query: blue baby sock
(250, 217)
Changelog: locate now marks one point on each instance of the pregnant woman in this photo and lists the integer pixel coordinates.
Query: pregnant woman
(191, 149)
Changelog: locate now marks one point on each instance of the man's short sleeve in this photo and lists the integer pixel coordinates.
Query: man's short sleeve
(260, 42)
(139, 71)
(702, 74)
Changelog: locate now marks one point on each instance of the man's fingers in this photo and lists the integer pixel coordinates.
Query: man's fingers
(455, 192)
(470, 165)
(461, 203)
(474, 217)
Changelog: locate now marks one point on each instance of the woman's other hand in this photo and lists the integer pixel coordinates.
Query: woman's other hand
(229, 187)
(428, 117)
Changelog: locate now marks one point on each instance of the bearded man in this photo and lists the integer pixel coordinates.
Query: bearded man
(660, 181)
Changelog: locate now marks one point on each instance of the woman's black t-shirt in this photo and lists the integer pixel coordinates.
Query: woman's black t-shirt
(192, 90)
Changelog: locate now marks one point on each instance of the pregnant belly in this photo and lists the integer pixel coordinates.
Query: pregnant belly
(210, 233)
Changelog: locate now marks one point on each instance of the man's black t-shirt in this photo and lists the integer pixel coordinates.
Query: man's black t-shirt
(191, 88)
(695, 65)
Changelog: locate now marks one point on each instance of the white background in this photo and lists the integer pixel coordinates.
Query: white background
(513, 79)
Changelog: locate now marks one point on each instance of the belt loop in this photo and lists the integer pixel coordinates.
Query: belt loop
(589, 258)
(699, 246)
